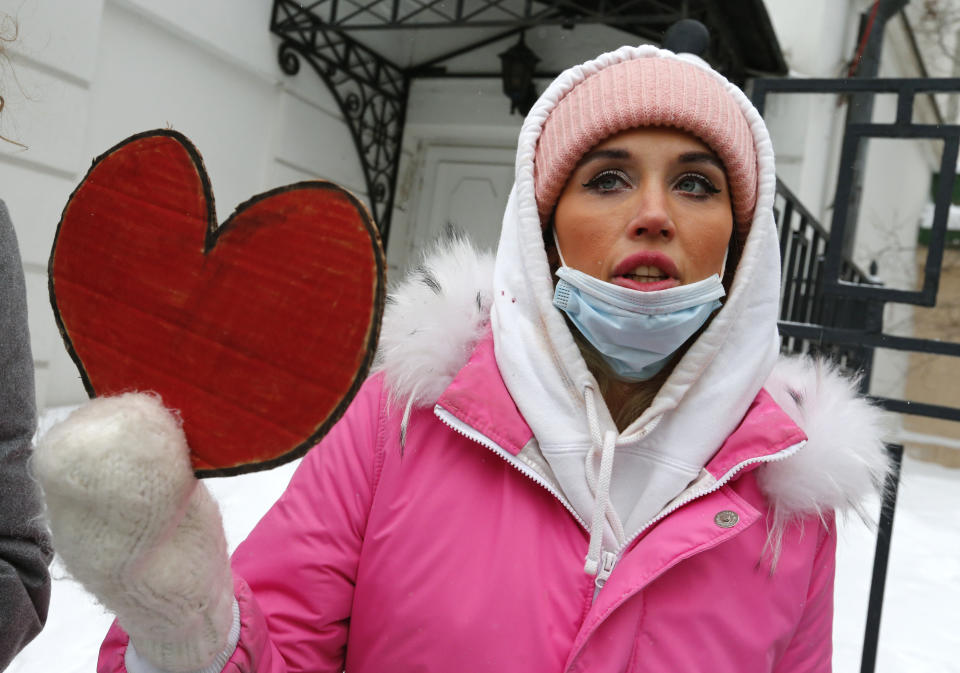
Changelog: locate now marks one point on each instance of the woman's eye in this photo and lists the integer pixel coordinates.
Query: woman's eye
(698, 185)
(607, 181)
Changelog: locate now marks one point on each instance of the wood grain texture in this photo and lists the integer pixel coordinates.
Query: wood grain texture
(259, 332)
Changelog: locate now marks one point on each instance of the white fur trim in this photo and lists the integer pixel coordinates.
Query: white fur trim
(433, 320)
(844, 459)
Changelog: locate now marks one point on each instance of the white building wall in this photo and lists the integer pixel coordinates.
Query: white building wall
(817, 39)
(85, 74)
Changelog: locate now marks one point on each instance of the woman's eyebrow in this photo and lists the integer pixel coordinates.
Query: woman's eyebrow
(700, 157)
(620, 153)
(606, 153)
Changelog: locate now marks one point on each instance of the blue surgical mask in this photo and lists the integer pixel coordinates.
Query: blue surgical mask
(636, 332)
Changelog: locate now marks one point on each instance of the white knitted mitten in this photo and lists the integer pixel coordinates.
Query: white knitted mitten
(137, 529)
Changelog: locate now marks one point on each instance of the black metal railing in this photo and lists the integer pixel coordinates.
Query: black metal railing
(803, 251)
(881, 557)
(835, 279)
(829, 305)
(803, 304)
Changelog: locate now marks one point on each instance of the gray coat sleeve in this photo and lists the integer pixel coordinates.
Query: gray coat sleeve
(25, 550)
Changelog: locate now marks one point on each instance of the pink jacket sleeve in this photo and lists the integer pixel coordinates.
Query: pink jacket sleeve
(294, 574)
(811, 649)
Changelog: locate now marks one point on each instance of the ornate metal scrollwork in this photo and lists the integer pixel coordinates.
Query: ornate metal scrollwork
(288, 58)
(370, 91)
(352, 104)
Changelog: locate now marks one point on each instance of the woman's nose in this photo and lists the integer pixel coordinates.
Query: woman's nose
(651, 217)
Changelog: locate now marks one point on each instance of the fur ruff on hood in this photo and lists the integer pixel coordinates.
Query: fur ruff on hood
(435, 317)
(432, 321)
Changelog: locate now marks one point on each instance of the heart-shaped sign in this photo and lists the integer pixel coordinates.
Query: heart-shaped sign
(259, 332)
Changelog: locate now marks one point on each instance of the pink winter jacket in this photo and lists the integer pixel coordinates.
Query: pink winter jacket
(441, 556)
(459, 550)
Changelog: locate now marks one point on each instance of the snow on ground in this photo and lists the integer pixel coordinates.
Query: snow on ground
(919, 632)
(920, 629)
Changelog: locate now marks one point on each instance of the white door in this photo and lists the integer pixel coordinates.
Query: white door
(464, 186)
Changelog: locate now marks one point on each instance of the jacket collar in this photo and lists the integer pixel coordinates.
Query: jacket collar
(478, 397)
(765, 431)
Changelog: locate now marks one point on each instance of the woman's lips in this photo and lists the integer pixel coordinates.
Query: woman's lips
(647, 286)
(646, 271)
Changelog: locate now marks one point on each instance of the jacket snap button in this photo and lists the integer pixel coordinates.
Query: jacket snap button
(726, 519)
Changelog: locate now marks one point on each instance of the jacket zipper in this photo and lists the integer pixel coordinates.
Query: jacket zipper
(780, 455)
(608, 559)
(462, 428)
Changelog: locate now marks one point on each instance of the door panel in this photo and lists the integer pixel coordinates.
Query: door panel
(466, 187)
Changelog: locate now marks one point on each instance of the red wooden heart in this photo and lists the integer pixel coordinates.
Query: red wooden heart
(259, 332)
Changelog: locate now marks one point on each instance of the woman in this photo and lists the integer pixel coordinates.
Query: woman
(571, 459)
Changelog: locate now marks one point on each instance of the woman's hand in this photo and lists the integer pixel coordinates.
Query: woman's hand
(137, 529)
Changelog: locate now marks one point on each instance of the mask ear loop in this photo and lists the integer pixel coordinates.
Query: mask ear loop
(556, 243)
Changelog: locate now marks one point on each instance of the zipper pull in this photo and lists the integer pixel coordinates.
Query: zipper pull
(608, 560)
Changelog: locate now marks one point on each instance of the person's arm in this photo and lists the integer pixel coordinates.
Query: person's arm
(301, 560)
(294, 574)
(811, 648)
(24, 546)
(117, 480)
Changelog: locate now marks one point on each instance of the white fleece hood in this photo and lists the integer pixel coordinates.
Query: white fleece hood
(705, 396)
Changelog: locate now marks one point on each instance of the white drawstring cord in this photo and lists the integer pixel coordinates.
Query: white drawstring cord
(594, 422)
(600, 486)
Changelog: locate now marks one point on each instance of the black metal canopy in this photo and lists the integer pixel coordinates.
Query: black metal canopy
(367, 51)
(744, 41)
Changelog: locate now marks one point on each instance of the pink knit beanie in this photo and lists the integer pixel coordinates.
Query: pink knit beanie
(653, 91)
